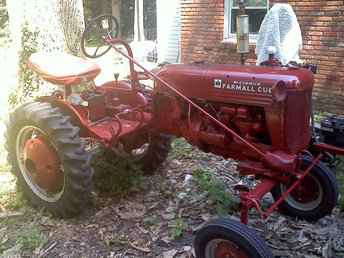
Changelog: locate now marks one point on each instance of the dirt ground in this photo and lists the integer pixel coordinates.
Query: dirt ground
(157, 217)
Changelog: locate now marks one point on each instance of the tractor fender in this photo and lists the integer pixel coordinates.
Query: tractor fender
(69, 110)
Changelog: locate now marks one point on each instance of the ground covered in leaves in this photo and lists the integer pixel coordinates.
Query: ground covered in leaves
(155, 216)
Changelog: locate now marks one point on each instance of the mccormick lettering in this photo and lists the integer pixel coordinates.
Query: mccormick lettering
(246, 86)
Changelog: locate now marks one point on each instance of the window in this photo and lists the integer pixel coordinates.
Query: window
(255, 9)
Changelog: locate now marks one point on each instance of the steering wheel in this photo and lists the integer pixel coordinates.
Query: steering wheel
(100, 28)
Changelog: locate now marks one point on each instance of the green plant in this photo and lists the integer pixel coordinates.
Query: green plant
(177, 227)
(318, 116)
(340, 178)
(4, 167)
(28, 81)
(217, 192)
(30, 239)
(341, 188)
(180, 148)
(10, 199)
(115, 175)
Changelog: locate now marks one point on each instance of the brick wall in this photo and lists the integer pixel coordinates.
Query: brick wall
(322, 25)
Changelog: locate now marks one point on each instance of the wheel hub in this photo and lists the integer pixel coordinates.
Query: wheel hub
(43, 165)
(305, 197)
(307, 191)
(220, 248)
(229, 250)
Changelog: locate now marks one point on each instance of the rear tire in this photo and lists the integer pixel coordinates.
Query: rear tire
(322, 184)
(221, 238)
(157, 151)
(54, 129)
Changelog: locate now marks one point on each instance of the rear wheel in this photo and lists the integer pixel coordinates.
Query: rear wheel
(48, 159)
(222, 238)
(152, 154)
(314, 198)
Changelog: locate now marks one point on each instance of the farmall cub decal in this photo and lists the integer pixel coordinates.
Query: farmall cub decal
(243, 86)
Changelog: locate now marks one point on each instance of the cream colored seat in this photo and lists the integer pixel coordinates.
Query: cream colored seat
(62, 68)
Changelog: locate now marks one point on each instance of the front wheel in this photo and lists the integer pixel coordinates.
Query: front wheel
(222, 238)
(48, 159)
(314, 198)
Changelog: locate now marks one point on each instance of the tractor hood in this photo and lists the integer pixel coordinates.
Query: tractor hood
(248, 85)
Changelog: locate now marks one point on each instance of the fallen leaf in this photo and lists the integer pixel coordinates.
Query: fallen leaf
(131, 210)
(170, 253)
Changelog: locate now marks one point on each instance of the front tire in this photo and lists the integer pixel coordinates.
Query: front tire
(315, 197)
(48, 158)
(228, 238)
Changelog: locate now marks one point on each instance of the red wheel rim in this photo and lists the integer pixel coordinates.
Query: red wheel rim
(306, 196)
(307, 191)
(221, 248)
(39, 163)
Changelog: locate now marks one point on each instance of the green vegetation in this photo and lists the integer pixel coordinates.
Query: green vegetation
(10, 198)
(21, 233)
(180, 148)
(340, 178)
(217, 192)
(318, 116)
(28, 81)
(30, 239)
(115, 175)
(177, 228)
(4, 167)
(341, 187)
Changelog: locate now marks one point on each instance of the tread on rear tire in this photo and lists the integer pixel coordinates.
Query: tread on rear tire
(158, 149)
(74, 160)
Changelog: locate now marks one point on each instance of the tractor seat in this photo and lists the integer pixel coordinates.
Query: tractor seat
(62, 68)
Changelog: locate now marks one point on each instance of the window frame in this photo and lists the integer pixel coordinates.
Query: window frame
(231, 37)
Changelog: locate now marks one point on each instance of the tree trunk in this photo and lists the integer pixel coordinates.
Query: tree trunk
(139, 34)
(71, 16)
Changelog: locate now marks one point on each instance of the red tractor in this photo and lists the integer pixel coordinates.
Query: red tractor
(258, 115)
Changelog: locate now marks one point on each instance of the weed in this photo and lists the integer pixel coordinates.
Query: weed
(318, 116)
(217, 192)
(28, 81)
(115, 175)
(30, 239)
(4, 167)
(341, 187)
(340, 179)
(177, 228)
(17, 202)
(180, 148)
(151, 220)
(10, 198)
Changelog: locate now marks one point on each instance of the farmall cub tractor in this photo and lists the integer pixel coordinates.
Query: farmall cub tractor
(258, 115)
